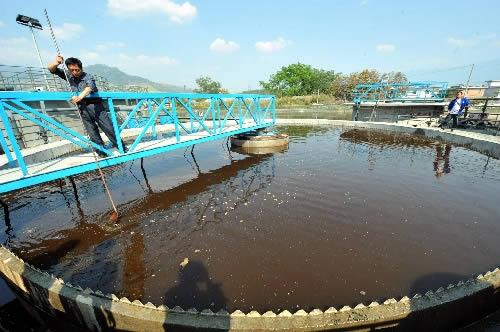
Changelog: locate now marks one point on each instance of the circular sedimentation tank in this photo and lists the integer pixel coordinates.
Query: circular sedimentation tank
(260, 142)
(344, 228)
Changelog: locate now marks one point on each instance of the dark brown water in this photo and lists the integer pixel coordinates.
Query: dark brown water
(340, 217)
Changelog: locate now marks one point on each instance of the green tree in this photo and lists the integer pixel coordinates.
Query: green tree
(395, 77)
(298, 79)
(324, 80)
(207, 85)
(339, 87)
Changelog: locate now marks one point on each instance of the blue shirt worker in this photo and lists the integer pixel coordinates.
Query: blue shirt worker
(457, 106)
(92, 110)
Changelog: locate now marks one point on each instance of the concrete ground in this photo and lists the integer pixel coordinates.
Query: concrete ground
(433, 122)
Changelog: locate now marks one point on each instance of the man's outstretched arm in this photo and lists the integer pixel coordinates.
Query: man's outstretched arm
(52, 67)
(76, 99)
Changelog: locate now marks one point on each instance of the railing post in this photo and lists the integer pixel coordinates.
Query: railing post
(273, 109)
(176, 119)
(43, 132)
(191, 121)
(6, 150)
(256, 102)
(240, 115)
(153, 125)
(114, 121)
(12, 139)
(214, 123)
(218, 114)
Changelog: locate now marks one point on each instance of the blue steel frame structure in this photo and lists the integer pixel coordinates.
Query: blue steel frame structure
(426, 91)
(226, 115)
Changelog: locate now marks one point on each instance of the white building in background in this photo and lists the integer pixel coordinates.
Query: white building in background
(492, 89)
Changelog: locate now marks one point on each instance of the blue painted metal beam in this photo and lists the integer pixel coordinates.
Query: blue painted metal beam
(35, 179)
(13, 142)
(427, 91)
(259, 113)
(42, 95)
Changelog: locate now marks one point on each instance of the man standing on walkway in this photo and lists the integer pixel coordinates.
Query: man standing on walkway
(457, 107)
(91, 109)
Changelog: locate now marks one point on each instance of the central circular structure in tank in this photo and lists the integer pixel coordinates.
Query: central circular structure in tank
(341, 216)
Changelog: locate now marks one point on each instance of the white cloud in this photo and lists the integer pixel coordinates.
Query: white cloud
(472, 41)
(219, 45)
(145, 60)
(272, 45)
(66, 31)
(89, 56)
(385, 48)
(21, 52)
(178, 13)
(460, 43)
(488, 36)
(109, 46)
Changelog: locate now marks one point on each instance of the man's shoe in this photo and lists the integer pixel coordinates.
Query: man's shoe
(101, 154)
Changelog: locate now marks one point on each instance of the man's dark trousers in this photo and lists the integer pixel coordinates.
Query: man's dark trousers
(94, 115)
(454, 118)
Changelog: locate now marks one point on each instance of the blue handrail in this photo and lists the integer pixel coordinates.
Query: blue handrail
(215, 117)
(425, 91)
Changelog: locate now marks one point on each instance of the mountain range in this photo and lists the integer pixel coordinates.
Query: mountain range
(117, 77)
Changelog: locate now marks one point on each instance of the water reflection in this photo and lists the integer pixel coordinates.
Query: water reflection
(145, 177)
(208, 198)
(260, 150)
(161, 201)
(134, 269)
(442, 162)
(81, 253)
(195, 167)
(81, 215)
(385, 139)
(8, 225)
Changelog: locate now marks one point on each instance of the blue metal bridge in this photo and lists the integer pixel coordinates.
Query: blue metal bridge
(417, 92)
(154, 123)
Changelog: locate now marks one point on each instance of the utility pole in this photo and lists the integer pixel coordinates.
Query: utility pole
(34, 23)
(468, 80)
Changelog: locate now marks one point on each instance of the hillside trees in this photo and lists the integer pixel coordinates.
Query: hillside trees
(301, 79)
(208, 85)
(298, 79)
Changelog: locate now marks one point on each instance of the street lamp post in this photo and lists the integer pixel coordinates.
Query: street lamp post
(34, 23)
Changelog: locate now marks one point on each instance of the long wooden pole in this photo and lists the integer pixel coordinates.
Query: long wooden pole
(114, 217)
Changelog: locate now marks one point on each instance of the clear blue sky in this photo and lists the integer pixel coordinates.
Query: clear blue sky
(240, 43)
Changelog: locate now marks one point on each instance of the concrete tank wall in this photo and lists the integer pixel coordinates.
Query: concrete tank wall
(394, 112)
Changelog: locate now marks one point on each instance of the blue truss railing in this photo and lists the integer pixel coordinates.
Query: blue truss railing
(226, 115)
(400, 92)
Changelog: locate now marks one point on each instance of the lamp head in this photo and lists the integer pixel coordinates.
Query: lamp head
(29, 21)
